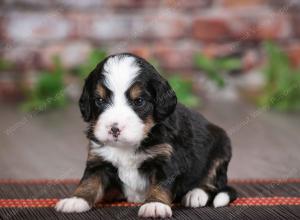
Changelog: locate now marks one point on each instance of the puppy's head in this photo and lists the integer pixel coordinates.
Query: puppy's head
(123, 98)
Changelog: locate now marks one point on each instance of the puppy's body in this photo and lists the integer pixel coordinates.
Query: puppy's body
(145, 146)
(201, 152)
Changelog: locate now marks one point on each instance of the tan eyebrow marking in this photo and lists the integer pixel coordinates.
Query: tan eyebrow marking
(135, 91)
(101, 91)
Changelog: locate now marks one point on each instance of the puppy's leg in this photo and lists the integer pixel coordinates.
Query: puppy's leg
(157, 204)
(224, 193)
(208, 186)
(213, 188)
(89, 191)
(224, 197)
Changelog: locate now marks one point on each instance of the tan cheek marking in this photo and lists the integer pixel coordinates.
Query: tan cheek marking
(149, 123)
(135, 92)
(101, 91)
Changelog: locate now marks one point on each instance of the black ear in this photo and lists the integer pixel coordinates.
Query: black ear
(86, 101)
(165, 99)
(85, 104)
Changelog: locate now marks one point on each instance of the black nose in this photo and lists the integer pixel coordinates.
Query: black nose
(115, 131)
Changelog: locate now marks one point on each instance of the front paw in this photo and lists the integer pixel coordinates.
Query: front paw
(73, 204)
(155, 210)
(195, 198)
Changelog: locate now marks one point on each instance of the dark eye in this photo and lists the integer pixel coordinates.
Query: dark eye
(99, 102)
(139, 102)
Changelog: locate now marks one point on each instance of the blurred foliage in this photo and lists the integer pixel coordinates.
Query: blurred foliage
(5, 65)
(184, 90)
(214, 67)
(282, 89)
(96, 56)
(48, 91)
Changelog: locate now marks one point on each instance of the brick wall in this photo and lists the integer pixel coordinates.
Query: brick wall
(32, 31)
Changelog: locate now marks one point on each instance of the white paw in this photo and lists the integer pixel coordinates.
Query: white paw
(221, 199)
(155, 210)
(73, 204)
(195, 198)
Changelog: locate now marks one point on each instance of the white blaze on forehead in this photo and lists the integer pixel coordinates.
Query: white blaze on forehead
(119, 72)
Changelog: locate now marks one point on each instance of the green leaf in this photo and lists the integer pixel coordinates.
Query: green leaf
(282, 81)
(205, 63)
(211, 68)
(229, 64)
(5, 65)
(184, 90)
(48, 91)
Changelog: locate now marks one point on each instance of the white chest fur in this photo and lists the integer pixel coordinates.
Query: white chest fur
(135, 185)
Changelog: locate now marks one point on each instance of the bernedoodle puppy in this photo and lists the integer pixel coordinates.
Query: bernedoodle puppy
(146, 146)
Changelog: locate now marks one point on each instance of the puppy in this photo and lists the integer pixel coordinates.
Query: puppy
(145, 146)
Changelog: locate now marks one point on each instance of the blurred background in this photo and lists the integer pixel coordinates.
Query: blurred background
(236, 62)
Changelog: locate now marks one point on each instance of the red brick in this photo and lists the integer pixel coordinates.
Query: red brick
(270, 26)
(71, 53)
(37, 28)
(295, 24)
(81, 5)
(99, 28)
(141, 50)
(129, 4)
(130, 27)
(293, 51)
(188, 5)
(290, 6)
(242, 26)
(10, 90)
(2, 35)
(218, 50)
(18, 54)
(214, 28)
(168, 4)
(242, 3)
(161, 26)
(175, 57)
(80, 24)
(30, 3)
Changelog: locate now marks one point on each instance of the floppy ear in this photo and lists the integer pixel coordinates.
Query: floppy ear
(165, 99)
(85, 102)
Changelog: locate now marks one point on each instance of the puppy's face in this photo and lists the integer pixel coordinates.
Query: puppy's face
(123, 98)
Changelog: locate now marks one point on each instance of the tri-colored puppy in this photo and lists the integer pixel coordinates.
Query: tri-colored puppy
(146, 146)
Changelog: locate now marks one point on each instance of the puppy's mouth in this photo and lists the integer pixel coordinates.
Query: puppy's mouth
(119, 142)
